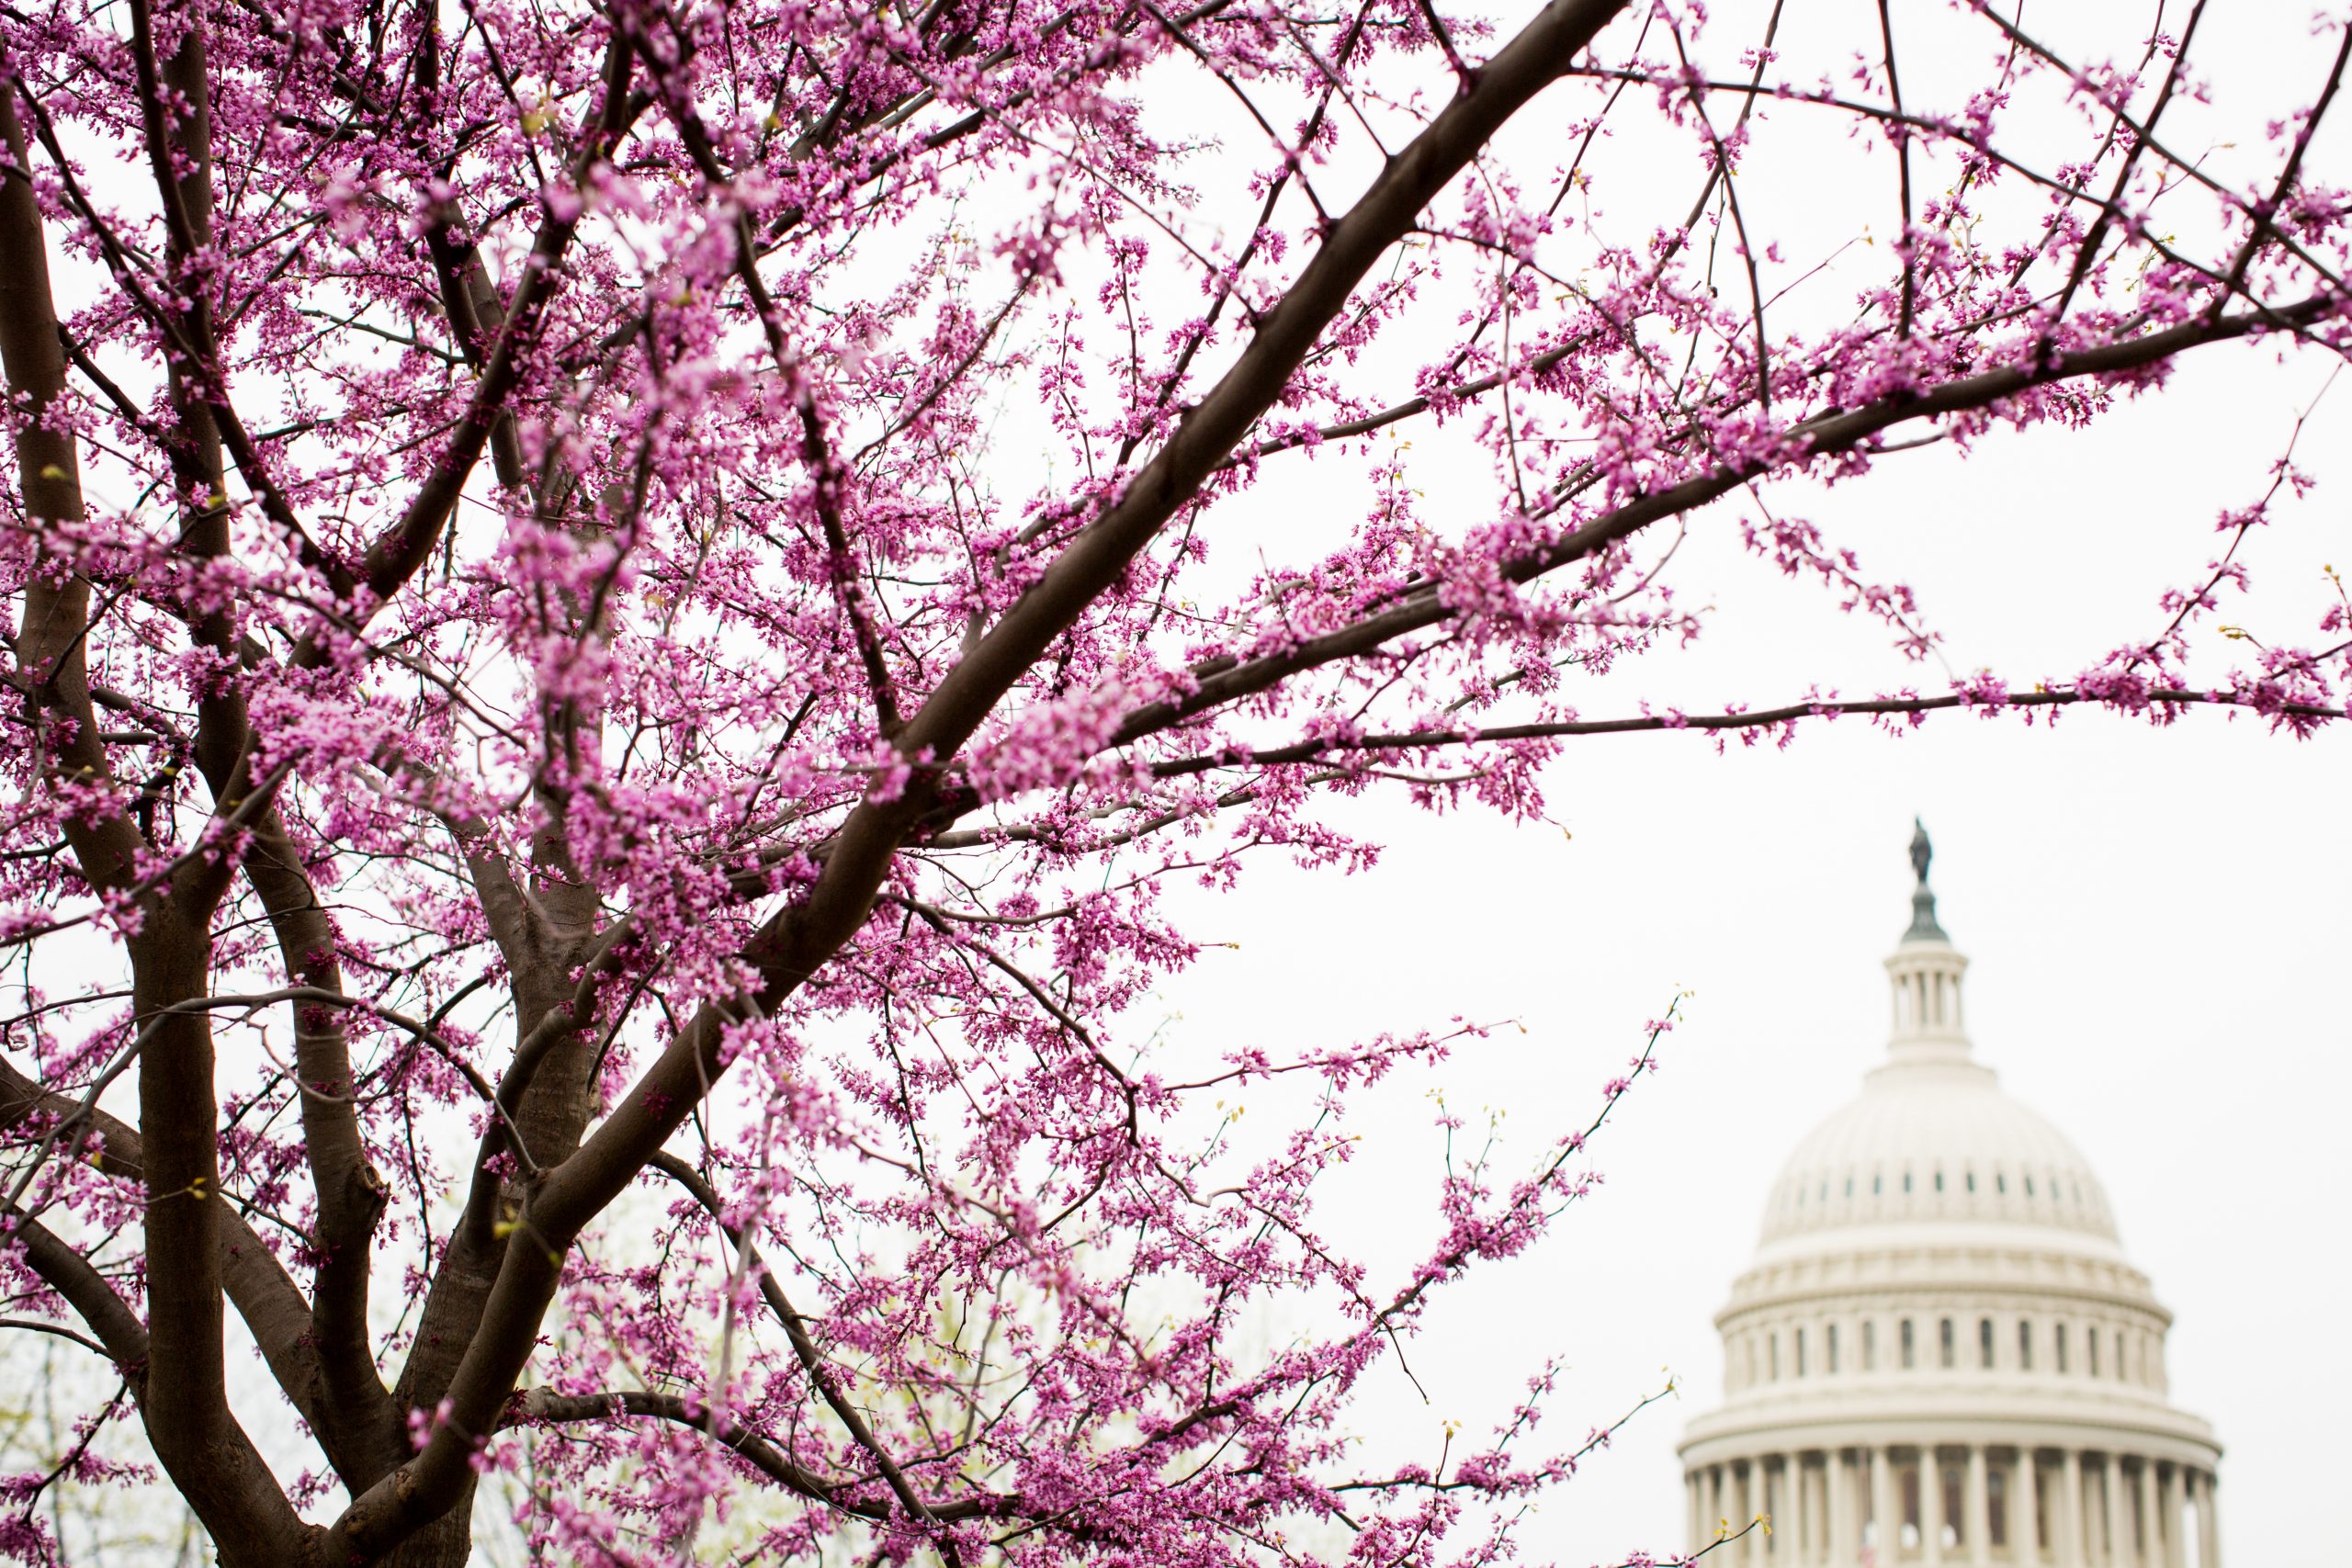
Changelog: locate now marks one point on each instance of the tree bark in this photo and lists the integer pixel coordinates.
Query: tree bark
(186, 1407)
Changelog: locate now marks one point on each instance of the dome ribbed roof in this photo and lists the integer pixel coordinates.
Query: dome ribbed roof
(1936, 1141)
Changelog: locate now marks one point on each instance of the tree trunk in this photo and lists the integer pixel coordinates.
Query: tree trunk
(446, 1542)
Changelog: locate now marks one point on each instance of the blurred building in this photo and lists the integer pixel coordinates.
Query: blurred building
(1939, 1354)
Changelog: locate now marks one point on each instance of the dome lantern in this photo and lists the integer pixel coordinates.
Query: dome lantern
(1925, 971)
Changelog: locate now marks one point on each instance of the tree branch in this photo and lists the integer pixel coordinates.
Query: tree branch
(266, 1298)
(66, 1271)
(811, 1359)
(1825, 434)
(540, 1405)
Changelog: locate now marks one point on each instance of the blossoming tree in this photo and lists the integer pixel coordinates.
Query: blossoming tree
(641, 594)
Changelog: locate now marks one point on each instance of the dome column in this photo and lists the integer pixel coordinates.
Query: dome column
(2025, 1528)
(2070, 1513)
(1842, 1533)
(1976, 1534)
(2111, 1499)
(1787, 1509)
(1791, 1502)
(2151, 1538)
(1779, 1538)
(2168, 1509)
(1931, 1505)
(1741, 1512)
(1886, 1531)
(1757, 1504)
(2209, 1522)
(1800, 1505)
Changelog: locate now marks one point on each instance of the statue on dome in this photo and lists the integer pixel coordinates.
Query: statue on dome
(1923, 902)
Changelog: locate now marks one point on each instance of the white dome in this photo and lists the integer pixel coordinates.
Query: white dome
(1939, 1353)
(1935, 1142)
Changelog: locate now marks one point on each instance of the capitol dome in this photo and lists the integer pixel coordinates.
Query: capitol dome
(1939, 1353)
(1927, 1144)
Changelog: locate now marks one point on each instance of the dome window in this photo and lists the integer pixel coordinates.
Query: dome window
(1944, 1337)
(1985, 1342)
(2000, 1183)
(2028, 1185)
(1773, 1346)
(1907, 1182)
(1869, 1345)
(1910, 1350)
(1878, 1184)
(1849, 1187)
(1939, 1181)
(1829, 1348)
(2025, 1345)
(2090, 1349)
(1972, 1181)
(1800, 1352)
(2061, 1347)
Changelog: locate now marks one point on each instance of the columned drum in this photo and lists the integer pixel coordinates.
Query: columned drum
(1939, 1354)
